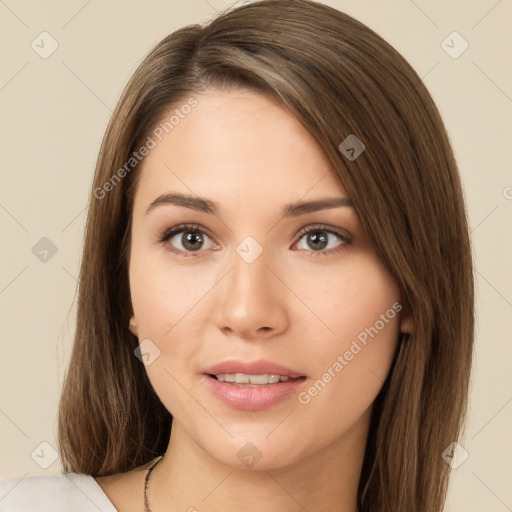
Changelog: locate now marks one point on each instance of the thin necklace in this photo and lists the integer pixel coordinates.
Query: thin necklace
(146, 484)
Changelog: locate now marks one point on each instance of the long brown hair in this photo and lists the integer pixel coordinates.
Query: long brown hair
(338, 78)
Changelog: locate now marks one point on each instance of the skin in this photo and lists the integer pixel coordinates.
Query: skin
(291, 305)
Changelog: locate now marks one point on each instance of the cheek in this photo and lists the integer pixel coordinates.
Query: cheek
(166, 298)
(162, 299)
(356, 299)
(351, 364)
(169, 303)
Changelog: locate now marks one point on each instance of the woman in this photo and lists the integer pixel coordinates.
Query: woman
(276, 265)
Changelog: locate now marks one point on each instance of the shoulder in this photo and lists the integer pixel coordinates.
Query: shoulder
(69, 492)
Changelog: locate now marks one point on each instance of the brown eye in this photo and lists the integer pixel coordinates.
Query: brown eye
(192, 240)
(186, 240)
(320, 240)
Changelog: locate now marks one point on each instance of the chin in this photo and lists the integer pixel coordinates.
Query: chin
(254, 451)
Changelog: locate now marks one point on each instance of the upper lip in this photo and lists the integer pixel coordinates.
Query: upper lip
(259, 367)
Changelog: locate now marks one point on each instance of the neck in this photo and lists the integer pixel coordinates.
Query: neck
(190, 479)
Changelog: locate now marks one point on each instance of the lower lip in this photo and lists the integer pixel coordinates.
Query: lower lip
(253, 398)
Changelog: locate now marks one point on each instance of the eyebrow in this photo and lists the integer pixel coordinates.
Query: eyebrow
(211, 207)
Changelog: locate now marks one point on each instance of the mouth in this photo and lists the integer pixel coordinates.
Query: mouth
(252, 386)
(242, 379)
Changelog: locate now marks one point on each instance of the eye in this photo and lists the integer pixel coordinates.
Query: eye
(189, 236)
(315, 239)
(188, 240)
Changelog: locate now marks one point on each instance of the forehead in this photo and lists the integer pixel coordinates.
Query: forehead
(236, 146)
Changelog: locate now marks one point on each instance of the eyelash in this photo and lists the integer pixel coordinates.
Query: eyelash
(183, 228)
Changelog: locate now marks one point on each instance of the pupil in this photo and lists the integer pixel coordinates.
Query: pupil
(317, 238)
(192, 238)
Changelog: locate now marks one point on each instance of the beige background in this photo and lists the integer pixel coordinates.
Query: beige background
(54, 112)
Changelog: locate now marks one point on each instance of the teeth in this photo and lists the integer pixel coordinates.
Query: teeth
(254, 380)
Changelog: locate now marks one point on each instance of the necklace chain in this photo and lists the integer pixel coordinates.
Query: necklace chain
(146, 484)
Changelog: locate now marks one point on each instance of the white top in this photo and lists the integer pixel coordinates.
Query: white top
(70, 492)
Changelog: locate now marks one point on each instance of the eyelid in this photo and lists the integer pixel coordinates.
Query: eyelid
(343, 234)
(184, 227)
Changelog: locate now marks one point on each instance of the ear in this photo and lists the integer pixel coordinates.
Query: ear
(406, 320)
(133, 326)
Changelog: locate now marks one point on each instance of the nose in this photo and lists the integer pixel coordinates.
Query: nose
(252, 301)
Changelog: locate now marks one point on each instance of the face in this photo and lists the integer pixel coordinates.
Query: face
(236, 282)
